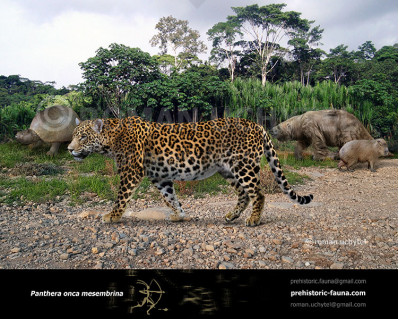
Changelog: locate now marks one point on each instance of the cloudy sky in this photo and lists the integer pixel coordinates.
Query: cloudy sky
(46, 39)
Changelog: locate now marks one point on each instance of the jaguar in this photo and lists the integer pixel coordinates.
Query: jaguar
(162, 152)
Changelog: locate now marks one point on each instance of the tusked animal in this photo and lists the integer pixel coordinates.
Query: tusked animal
(53, 125)
(359, 151)
(188, 151)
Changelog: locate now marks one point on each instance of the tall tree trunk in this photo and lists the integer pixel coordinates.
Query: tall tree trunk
(264, 78)
(195, 114)
(214, 113)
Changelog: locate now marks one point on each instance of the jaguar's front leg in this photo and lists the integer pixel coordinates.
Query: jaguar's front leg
(129, 180)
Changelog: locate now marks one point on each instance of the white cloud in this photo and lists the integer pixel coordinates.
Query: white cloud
(47, 39)
(52, 50)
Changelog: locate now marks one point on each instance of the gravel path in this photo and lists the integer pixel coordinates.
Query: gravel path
(351, 224)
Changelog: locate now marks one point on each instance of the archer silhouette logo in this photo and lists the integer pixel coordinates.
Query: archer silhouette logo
(151, 296)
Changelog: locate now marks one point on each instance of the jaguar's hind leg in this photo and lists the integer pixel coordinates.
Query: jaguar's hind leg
(258, 202)
(168, 192)
(243, 198)
(242, 204)
(246, 173)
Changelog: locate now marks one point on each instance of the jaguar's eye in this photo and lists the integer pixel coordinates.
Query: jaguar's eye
(83, 137)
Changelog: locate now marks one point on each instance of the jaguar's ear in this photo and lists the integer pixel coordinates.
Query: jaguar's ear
(98, 126)
(77, 121)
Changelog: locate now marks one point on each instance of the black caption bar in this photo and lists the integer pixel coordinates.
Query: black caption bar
(198, 293)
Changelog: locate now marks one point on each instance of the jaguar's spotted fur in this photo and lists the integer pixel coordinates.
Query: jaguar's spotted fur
(189, 151)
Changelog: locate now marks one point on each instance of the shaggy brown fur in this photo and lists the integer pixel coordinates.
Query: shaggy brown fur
(362, 151)
(321, 129)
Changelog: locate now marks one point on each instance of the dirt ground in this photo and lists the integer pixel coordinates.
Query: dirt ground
(351, 224)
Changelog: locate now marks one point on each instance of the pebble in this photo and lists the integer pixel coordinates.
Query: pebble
(99, 265)
(210, 248)
(188, 251)
(64, 256)
(226, 265)
(248, 253)
(337, 266)
(132, 251)
(276, 241)
(108, 245)
(289, 238)
(286, 259)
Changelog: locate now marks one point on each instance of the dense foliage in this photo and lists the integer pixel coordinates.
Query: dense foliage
(294, 76)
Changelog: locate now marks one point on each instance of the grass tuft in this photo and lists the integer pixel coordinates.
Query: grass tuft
(97, 174)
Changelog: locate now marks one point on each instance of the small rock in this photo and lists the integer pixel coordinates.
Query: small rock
(286, 259)
(53, 209)
(188, 251)
(262, 249)
(276, 241)
(306, 248)
(16, 250)
(159, 251)
(209, 248)
(88, 213)
(108, 245)
(94, 250)
(231, 250)
(115, 237)
(64, 256)
(337, 266)
(226, 265)
(261, 263)
(99, 265)
(248, 253)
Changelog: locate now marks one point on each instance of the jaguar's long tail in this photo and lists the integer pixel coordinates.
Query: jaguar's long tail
(274, 163)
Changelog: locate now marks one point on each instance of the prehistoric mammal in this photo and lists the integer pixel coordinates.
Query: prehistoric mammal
(320, 129)
(360, 151)
(53, 125)
(188, 151)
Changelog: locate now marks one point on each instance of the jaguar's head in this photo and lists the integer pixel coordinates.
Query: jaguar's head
(87, 138)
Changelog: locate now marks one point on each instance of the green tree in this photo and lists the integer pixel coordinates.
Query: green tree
(384, 106)
(188, 95)
(176, 36)
(223, 36)
(112, 73)
(338, 65)
(305, 51)
(366, 51)
(266, 26)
